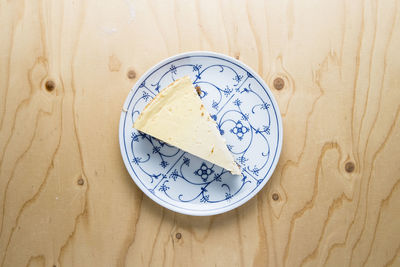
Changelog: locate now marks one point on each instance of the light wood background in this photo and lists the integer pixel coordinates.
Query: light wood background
(67, 200)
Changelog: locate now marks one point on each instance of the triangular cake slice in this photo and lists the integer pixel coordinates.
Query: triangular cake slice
(177, 116)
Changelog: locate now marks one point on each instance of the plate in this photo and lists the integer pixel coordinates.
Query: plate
(247, 116)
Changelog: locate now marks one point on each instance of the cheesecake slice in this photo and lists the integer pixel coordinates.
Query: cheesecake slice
(177, 116)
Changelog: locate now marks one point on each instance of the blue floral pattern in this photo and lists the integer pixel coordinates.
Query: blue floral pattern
(239, 129)
(204, 172)
(244, 114)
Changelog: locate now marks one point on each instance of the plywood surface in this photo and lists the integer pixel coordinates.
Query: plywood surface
(67, 66)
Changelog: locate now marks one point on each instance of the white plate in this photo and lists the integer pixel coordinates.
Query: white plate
(247, 116)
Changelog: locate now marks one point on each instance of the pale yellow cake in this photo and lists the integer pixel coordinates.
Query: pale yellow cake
(178, 117)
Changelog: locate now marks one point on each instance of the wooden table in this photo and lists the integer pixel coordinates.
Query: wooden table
(67, 66)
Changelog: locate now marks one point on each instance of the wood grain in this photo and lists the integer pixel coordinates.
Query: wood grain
(340, 103)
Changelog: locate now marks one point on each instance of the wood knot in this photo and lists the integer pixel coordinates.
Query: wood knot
(131, 74)
(349, 167)
(275, 196)
(50, 85)
(178, 235)
(81, 181)
(279, 83)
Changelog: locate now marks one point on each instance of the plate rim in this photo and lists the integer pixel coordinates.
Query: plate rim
(177, 208)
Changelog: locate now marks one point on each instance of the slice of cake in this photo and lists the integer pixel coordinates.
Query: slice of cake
(178, 117)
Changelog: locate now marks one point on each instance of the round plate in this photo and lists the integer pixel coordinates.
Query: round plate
(246, 114)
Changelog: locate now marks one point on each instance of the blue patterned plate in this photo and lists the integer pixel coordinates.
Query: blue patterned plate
(247, 116)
